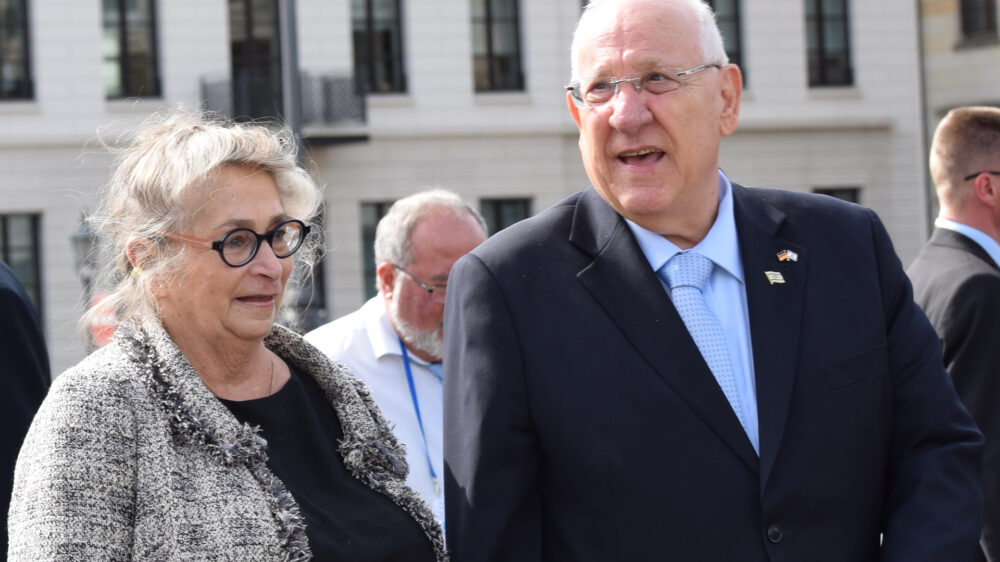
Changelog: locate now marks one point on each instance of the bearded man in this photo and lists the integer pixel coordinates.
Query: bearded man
(394, 341)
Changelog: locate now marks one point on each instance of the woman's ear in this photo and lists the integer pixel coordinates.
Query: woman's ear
(140, 253)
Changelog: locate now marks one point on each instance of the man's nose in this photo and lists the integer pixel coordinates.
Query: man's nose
(628, 107)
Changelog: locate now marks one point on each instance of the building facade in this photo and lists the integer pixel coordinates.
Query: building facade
(393, 96)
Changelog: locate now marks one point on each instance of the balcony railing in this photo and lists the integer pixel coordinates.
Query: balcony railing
(330, 103)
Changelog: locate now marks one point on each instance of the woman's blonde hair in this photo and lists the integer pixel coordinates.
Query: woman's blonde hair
(158, 169)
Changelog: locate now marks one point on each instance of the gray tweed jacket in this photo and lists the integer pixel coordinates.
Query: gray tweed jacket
(132, 458)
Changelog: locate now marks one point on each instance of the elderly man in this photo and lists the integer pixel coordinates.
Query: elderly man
(394, 341)
(956, 279)
(670, 366)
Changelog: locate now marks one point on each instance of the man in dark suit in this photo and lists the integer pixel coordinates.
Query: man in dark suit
(956, 279)
(603, 404)
(24, 379)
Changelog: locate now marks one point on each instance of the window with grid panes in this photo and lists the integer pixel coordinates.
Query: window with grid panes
(15, 60)
(828, 43)
(496, 45)
(377, 28)
(128, 44)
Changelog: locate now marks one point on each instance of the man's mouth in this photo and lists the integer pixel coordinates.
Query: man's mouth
(641, 156)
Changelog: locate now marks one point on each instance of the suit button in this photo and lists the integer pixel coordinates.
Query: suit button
(774, 533)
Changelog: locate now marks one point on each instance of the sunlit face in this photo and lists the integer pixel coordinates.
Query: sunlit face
(212, 301)
(654, 158)
(437, 240)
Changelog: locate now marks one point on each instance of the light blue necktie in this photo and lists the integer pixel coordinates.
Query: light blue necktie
(686, 274)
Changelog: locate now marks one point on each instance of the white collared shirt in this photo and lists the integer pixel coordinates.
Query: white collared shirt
(365, 342)
(725, 294)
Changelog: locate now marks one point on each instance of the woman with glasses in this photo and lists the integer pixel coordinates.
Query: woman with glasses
(204, 430)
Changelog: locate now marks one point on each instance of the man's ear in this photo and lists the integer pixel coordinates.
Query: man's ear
(731, 83)
(574, 111)
(386, 275)
(986, 190)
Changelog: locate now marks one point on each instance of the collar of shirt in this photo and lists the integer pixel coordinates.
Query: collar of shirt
(721, 244)
(978, 236)
(384, 339)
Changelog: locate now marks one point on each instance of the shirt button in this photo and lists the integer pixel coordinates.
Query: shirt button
(774, 533)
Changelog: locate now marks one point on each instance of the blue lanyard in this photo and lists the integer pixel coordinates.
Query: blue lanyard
(420, 421)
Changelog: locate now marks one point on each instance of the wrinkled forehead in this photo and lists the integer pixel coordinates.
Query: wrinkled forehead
(617, 38)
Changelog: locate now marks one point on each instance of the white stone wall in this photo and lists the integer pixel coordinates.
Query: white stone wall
(956, 73)
(867, 136)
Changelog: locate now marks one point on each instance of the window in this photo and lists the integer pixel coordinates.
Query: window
(727, 13)
(378, 44)
(255, 50)
(371, 213)
(501, 213)
(15, 62)
(496, 45)
(828, 43)
(129, 47)
(979, 19)
(850, 194)
(20, 249)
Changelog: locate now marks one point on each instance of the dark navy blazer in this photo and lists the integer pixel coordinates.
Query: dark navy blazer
(581, 423)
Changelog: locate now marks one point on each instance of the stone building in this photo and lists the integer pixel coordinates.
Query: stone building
(391, 96)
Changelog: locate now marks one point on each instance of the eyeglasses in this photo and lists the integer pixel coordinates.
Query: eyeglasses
(436, 292)
(239, 246)
(598, 91)
(970, 176)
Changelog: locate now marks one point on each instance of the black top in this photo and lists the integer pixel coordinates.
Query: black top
(345, 519)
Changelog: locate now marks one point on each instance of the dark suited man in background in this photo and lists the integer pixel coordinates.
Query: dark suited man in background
(671, 366)
(956, 279)
(24, 379)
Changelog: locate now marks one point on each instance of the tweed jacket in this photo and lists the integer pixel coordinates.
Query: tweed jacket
(132, 458)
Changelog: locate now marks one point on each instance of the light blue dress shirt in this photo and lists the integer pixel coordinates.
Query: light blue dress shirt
(978, 236)
(725, 294)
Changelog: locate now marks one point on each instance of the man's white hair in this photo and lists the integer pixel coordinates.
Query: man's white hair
(713, 50)
(392, 234)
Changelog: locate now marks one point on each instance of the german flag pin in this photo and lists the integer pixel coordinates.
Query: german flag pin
(787, 255)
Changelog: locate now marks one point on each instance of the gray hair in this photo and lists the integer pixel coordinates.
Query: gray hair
(392, 235)
(158, 171)
(712, 48)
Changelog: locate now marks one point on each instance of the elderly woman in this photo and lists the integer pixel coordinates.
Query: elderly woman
(205, 430)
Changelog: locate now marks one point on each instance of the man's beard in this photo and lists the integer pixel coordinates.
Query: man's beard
(429, 342)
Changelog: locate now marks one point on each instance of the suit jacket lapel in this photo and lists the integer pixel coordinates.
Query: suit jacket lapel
(959, 241)
(775, 310)
(620, 279)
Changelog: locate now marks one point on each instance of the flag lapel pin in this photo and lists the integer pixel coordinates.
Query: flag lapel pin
(787, 255)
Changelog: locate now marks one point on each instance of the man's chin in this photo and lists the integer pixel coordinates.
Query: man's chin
(429, 343)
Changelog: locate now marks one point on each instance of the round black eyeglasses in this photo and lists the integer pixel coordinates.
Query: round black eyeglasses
(239, 246)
